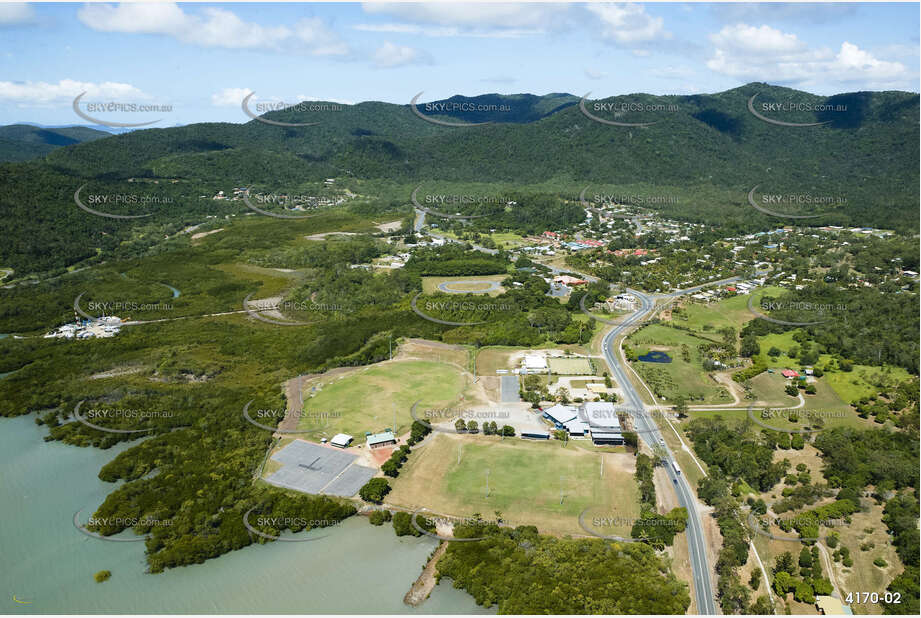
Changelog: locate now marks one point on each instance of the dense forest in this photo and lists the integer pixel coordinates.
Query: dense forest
(555, 144)
(522, 572)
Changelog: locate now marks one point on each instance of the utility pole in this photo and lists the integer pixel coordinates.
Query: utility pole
(562, 478)
(487, 482)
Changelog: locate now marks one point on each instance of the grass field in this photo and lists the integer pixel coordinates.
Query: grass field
(668, 380)
(366, 399)
(570, 366)
(430, 284)
(860, 382)
(729, 312)
(421, 349)
(506, 240)
(448, 476)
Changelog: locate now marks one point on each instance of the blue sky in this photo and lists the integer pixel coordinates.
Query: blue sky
(203, 58)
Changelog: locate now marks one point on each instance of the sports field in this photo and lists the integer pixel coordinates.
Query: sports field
(570, 366)
(366, 399)
(462, 284)
(449, 476)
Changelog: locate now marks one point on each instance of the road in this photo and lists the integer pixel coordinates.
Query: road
(649, 433)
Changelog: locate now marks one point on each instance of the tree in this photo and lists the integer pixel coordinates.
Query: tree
(378, 518)
(562, 395)
(783, 582)
(749, 347)
(755, 580)
(472, 427)
(805, 558)
(508, 431)
(460, 426)
(803, 593)
(390, 468)
(374, 490)
(681, 406)
(774, 351)
(784, 562)
(761, 606)
(791, 390)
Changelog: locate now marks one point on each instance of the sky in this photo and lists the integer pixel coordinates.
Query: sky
(195, 62)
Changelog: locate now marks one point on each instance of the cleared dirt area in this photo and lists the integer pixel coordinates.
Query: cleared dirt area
(391, 226)
(203, 234)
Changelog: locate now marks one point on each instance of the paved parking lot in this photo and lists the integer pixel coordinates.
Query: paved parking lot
(508, 389)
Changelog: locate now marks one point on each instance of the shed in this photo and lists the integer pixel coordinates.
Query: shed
(341, 440)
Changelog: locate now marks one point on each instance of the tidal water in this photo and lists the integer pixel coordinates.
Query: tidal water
(47, 566)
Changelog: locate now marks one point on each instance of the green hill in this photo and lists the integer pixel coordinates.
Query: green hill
(21, 142)
(708, 150)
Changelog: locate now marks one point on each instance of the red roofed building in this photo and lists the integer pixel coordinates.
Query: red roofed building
(553, 235)
(731, 288)
(592, 243)
(789, 373)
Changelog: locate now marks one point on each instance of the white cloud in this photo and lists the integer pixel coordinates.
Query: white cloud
(629, 24)
(229, 97)
(745, 39)
(213, 27)
(15, 13)
(473, 15)
(390, 55)
(445, 31)
(67, 89)
(766, 54)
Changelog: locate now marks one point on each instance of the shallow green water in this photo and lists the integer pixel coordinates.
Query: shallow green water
(357, 568)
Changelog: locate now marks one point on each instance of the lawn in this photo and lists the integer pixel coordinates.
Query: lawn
(570, 366)
(366, 399)
(668, 380)
(448, 476)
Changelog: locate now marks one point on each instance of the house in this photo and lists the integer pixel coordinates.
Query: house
(341, 440)
(377, 440)
(789, 373)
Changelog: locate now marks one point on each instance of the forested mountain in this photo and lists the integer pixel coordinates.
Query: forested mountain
(20, 142)
(708, 149)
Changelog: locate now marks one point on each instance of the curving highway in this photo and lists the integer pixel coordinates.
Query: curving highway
(649, 433)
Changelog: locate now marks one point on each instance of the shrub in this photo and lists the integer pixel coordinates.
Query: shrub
(102, 576)
(374, 490)
(379, 518)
